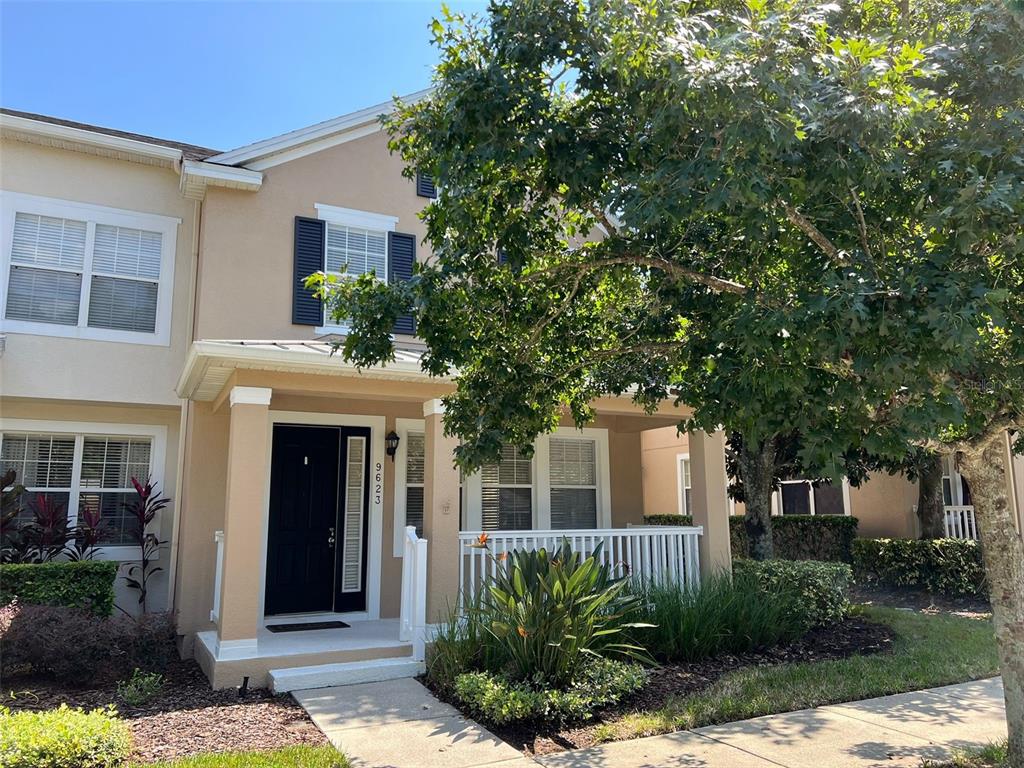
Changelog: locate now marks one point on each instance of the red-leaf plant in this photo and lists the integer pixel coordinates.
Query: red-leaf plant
(87, 534)
(143, 509)
(48, 530)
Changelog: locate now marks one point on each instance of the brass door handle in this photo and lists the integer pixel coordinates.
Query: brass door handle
(330, 537)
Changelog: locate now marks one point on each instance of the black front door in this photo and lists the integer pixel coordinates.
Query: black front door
(316, 546)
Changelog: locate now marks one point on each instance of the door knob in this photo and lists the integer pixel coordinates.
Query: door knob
(330, 537)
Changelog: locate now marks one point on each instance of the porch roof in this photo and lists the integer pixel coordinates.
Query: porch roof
(210, 363)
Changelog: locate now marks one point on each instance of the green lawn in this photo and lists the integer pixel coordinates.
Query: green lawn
(289, 757)
(992, 756)
(929, 651)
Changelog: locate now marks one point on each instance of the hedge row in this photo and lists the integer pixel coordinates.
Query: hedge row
(947, 566)
(822, 590)
(810, 537)
(77, 584)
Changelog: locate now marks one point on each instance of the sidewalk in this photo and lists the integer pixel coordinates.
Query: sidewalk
(399, 724)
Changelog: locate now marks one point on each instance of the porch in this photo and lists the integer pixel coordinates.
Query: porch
(395, 545)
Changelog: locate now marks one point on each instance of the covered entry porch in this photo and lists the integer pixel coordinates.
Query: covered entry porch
(301, 509)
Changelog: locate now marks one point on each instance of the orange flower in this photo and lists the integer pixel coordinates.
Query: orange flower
(481, 542)
(522, 632)
(503, 557)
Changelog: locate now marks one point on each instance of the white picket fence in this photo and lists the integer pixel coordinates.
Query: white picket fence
(960, 523)
(666, 553)
(412, 624)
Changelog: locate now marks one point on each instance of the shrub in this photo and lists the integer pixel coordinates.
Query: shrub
(796, 537)
(141, 688)
(718, 615)
(946, 566)
(498, 700)
(75, 646)
(543, 613)
(62, 738)
(82, 584)
(821, 590)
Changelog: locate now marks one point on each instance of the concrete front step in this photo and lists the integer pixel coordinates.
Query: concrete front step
(347, 673)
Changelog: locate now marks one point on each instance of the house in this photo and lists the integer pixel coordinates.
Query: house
(885, 505)
(156, 323)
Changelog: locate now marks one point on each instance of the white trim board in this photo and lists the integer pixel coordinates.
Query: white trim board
(267, 153)
(375, 534)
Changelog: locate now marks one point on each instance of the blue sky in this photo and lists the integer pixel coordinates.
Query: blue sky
(218, 74)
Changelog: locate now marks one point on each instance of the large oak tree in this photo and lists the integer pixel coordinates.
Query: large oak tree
(803, 220)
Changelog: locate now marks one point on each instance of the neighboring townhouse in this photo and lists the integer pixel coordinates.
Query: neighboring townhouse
(885, 505)
(156, 322)
(96, 270)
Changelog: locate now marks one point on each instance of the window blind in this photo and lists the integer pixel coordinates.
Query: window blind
(353, 251)
(415, 457)
(573, 468)
(507, 492)
(47, 258)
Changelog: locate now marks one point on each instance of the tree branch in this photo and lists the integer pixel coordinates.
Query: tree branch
(862, 226)
(806, 226)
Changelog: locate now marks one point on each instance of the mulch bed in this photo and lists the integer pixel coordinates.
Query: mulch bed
(187, 717)
(850, 637)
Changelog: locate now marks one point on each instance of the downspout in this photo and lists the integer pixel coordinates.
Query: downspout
(186, 410)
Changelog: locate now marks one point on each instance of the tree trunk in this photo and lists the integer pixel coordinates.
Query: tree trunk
(757, 473)
(984, 466)
(930, 507)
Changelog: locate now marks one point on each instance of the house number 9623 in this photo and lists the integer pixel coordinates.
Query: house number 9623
(378, 482)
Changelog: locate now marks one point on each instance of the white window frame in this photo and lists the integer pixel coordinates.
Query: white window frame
(541, 468)
(80, 430)
(12, 203)
(951, 473)
(402, 428)
(777, 496)
(350, 217)
(680, 488)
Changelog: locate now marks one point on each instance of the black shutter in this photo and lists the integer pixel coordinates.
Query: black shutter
(402, 255)
(425, 186)
(307, 309)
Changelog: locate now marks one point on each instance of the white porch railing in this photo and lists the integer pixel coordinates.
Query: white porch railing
(960, 523)
(413, 617)
(218, 574)
(657, 552)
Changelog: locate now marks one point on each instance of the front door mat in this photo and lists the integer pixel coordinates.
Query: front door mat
(306, 626)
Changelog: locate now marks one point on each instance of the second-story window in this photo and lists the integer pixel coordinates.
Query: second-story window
(354, 251)
(71, 269)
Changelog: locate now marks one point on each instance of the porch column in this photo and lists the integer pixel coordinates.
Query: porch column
(710, 500)
(248, 441)
(440, 513)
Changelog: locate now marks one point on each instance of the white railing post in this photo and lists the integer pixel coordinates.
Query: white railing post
(412, 623)
(959, 522)
(218, 574)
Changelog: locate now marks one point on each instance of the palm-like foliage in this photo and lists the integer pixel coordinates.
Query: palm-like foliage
(548, 612)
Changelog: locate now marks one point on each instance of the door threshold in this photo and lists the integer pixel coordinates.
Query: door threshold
(301, 618)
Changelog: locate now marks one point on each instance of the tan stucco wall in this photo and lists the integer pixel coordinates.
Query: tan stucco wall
(660, 451)
(168, 417)
(884, 507)
(245, 288)
(82, 369)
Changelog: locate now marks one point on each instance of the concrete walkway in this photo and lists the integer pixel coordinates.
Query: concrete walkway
(399, 724)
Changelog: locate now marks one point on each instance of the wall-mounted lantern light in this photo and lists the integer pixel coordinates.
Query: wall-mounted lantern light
(391, 444)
